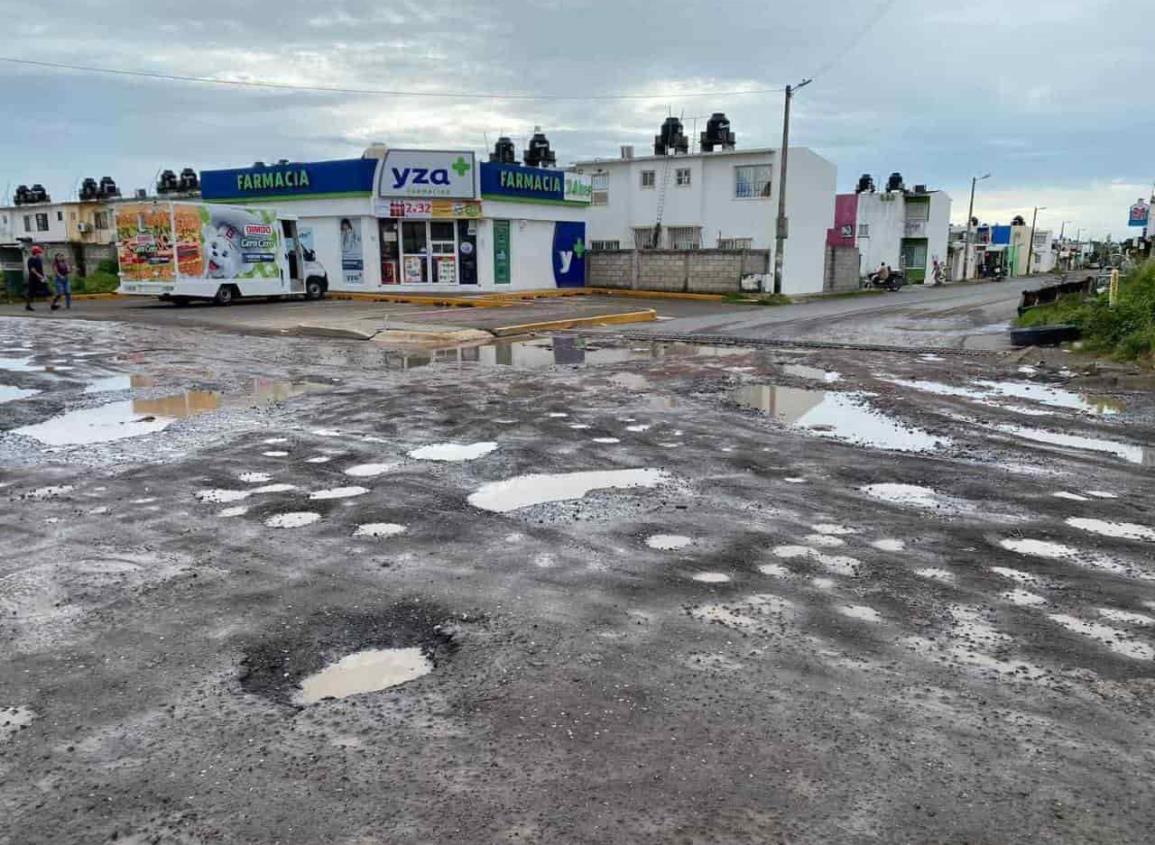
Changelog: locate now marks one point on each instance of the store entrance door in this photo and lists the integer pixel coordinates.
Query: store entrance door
(443, 246)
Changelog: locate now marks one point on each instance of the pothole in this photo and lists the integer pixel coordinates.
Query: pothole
(335, 654)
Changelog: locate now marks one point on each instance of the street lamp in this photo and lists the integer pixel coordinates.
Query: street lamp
(970, 217)
(780, 228)
(1031, 242)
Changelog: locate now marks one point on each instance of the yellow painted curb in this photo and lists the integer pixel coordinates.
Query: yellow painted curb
(648, 315)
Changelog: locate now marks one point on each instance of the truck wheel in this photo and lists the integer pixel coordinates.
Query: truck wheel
(314, 289)
(225, 295)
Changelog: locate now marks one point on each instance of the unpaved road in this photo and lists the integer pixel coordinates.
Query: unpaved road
(965, 654)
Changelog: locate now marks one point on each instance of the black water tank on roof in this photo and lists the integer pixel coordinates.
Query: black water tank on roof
(671, 138)
(538, 153)
(108, 187)
(894, 183)
(717, 133)
(166, 183)
(504, 151)
(865, 184)
(21, 195)
(88, 189)
(189, 180)
(37, 193)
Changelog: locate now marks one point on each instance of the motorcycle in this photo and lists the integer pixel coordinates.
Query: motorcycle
(892, 283)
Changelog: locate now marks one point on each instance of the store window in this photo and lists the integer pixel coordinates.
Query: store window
(752, 181)
(682, 177)
(649, 178)
(425, 252)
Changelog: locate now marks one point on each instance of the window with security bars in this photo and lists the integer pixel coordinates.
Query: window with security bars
(735, 243)
(752, 181)
(605, 246)
(600, 184)
(682, 177)
(685, 237)
(864, 230)
(644, 237)
(42, 222)
(649, 178)
(917, 212)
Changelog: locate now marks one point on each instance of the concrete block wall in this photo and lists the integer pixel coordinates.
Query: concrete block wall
(682, 271)
(842, 268)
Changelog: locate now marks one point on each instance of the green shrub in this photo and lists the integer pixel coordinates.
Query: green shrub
(108, 265)
(1125, 332)
(98, 282)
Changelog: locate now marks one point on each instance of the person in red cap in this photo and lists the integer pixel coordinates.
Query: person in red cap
(36, 277)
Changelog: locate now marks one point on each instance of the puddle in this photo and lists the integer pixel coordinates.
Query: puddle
(294, 519)
(20, 365)
(1055, 397)
(1127, 617)
(606, 440)
(379, 529)
(1039, 548)
(888, 544)
(1114, 639)
(668, 542)
(811, 373)
(1125, 530)
(228, 513)
(13, 394)
(840, 416)
(323, 459)
(933, 574)
(1023, 598)
(1126, 451)
(115, 384)
(524, 491)
(838, 564)
(775, 569)
(1102, 494)
(711, 577)
(224, 496)
(580, 426)
(114, 421)
(14, 719)
(361, 470)
(254, 477)
(905, 494)
(832, 528)
(365, 671)
(638, 428)
(861, 612)
(454, 451)
(1074, 497)
(275, 453)
(824, 540)
(339, 493)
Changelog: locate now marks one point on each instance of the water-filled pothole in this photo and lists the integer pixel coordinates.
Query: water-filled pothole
(335, 653)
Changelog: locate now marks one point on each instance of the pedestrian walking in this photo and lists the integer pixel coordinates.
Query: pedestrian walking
(60, 271)
(36, 278)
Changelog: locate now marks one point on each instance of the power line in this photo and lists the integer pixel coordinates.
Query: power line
(879, 13)
(448, 95)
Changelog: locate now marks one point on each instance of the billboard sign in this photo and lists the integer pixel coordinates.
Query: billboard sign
(427, 174)
(298, 180)
(517, 183)
(1140, 214)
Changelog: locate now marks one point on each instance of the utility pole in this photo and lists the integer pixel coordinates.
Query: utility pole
(970, 218)
(1031, 242)
(781, 224)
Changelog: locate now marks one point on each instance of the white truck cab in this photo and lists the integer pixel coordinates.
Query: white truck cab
(186, 251)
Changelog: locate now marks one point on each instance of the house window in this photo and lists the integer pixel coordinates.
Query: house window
(735, 243)
(918, 211)
(601, 189)
(752, 181)
(60, 217)
(605, 246)
(644, 237)
(649, 178)
(682, 177)
(101, 219)
(42, 221)
(685, 237)
(864, 230)
(27, 222)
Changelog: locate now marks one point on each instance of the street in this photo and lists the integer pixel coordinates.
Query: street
(638, 589)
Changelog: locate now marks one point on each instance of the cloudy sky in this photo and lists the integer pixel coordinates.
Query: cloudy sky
(1053, 98)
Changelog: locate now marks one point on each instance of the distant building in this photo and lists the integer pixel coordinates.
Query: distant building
(909, 230)
(83, 230)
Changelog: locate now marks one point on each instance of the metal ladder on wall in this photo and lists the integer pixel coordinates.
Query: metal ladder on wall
(656, 240)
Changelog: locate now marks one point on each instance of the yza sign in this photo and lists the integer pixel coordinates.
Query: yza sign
(427, 173)
(569, 254)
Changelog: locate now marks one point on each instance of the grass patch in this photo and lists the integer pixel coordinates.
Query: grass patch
(758, 299)
(1125, 332)
(98, 282)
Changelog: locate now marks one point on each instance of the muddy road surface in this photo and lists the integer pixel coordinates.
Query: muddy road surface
(278, 590)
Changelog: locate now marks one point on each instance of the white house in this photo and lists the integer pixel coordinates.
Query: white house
(722, 199)
(909, 230)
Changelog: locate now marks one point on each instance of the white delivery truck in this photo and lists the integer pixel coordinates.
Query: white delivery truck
(185, 251)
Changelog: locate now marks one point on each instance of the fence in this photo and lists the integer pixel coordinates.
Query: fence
(684, 271)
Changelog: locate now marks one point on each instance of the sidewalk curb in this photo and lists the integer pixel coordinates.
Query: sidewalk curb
(646, 316)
